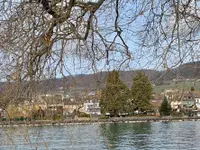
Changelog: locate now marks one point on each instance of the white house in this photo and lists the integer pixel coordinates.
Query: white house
(92, 107)
(197, 100)
(175, 105)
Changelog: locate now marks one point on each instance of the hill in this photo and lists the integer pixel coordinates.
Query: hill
(97, 81)
(90, 82)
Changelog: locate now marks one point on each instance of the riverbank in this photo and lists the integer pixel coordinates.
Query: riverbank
(82, 121)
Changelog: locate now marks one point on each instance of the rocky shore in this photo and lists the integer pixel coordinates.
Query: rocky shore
(82, 121)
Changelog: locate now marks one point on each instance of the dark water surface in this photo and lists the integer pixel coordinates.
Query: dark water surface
(144, 136)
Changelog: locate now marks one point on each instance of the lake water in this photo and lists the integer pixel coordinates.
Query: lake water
(145, 136)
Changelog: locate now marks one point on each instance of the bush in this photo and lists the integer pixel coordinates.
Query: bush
(21, 118)
(3, 119)
(103, 117)
(57, 117)
(82, 114)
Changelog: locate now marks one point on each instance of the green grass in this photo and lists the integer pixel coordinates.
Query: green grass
(186, 85)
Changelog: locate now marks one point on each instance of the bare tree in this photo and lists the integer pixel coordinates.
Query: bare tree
(41, 39)
(40, 36)
(171, 31)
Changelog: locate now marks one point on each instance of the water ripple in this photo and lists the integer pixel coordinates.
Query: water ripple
(145, 136)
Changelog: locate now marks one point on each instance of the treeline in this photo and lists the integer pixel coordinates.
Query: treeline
(117, 98)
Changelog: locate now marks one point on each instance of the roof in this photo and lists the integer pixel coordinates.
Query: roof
(196, 94)
(69, 102)
(157, 97)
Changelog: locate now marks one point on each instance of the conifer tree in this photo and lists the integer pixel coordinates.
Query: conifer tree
(192, 89)
(165, 108)
(141, 92)
(114, 96)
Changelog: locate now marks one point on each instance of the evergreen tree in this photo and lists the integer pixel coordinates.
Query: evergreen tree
(192, 89)
(114, 96)
(165, 108)
(141, 92)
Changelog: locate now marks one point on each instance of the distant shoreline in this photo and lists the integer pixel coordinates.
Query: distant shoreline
(84, 121)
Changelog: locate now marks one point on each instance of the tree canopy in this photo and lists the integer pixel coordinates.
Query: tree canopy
(165, 108)
(38, 36)
(141, 92)
(42, 39)
(192, 89)
(114, 96)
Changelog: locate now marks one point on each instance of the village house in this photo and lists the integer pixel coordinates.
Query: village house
(70, 105)
(156, 102)
(173, 97)
(175, 101)
(51, 100)
(170, 94)
(196, 95)
(91, 105)
(53, 104)
(188, 101)
(176, 105)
